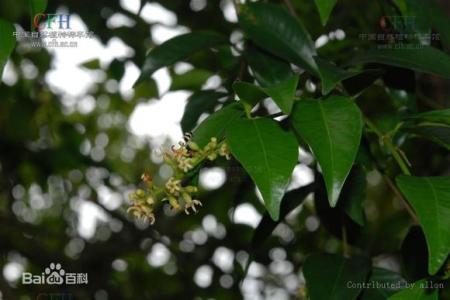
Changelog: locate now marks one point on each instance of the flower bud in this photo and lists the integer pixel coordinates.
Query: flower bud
(193, 146)
(140, 193)
(174, 203)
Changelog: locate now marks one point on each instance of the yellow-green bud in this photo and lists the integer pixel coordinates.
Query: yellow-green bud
(140, 193)
(193, 146)
(174, 203)
(191, 189)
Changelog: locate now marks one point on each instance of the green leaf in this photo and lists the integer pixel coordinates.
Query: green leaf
(116, 69)
(417, 292)
(414, 255)
(36, 7)
(353, 195)
(432, 125)
(267, 69)
(333, 219)
(275, 77)
(275, 30)
(328, 276)
(389, 283)
(439, 134)
(179, 48)
(283, 93)
(7, 42)
(414, 19)
(430, 198)
(290, 201)
(332, 75)
(146, 90)
(249, 94)
(268, 154)
(440, 21)
(441, 116)
(191, 80)
(427, 59)
(198, 103)
(427, 14)
(332, 128)
(93, 64)
(215, 124)
(325, 7)
(357, 83)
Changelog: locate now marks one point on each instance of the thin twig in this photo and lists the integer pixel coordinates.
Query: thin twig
(387, 141)
(290, 7)
(427, 100)
(399, 195)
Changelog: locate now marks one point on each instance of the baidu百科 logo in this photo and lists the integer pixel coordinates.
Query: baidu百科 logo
(54, 274)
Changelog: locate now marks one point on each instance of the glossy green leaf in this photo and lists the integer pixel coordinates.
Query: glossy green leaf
(385, 283)
(179, 48)
(329, 276)
(268, 154)
(418, 291)
(249, 94)
(7, 42)
(215, 124)
(267, 69)
(332, 128)
(427, 59)
(325, 8)
(290, 201)
(275, 30)
(198, 103)
(430, 198)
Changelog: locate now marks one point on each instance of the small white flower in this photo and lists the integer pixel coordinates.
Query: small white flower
(185, 164)
(173, 186)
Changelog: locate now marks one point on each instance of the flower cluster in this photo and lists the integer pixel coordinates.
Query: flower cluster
(188, 155)
(182, 159)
